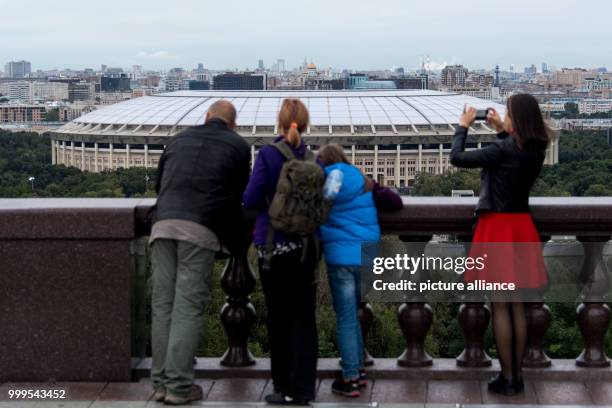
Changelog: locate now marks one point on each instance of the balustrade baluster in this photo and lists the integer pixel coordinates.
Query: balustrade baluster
(538, 322)
(593, 315)
(415, 317)
(474, 317)
(366, 316)
(238, 314)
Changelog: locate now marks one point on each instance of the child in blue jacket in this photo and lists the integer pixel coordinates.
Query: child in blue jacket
(352, 221)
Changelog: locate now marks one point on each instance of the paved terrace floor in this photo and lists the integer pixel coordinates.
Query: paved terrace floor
(444, 385)
(383, 393)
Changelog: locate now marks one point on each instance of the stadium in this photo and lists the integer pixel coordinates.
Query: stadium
(390, 134)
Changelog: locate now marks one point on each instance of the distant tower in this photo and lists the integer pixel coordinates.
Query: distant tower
(497, 76)
(260, 65)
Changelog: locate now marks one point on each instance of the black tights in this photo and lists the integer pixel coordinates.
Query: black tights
(510, 329)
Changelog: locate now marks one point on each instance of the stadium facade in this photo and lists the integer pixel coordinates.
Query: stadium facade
(393, 134)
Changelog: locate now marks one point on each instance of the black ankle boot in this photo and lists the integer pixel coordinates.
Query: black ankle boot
(500, 385)
(519, 384)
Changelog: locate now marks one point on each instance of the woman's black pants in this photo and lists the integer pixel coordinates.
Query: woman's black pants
(289, 286)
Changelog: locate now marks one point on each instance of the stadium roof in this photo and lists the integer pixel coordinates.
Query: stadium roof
(261, 108)
(373, 112)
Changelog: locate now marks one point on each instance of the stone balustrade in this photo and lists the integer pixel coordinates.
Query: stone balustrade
(72, 286)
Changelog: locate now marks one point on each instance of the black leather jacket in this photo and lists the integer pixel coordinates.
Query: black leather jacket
(508, 171)
(202, 174)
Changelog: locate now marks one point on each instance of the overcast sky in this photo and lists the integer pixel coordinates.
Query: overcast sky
(338, 33)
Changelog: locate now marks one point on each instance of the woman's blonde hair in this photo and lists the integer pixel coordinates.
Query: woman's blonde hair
(293, 120)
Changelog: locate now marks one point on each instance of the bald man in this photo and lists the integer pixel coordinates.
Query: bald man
(202, 175)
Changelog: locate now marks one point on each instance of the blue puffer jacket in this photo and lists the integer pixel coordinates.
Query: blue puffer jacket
(353, 219)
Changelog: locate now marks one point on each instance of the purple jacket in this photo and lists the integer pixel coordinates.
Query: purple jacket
(262, 186)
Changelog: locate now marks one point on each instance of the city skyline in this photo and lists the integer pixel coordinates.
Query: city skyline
(341, 34)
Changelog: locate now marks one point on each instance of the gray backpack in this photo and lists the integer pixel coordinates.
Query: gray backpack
(297, 207)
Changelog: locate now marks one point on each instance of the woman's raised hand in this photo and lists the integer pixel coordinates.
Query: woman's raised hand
(467, 117)
(495, 120)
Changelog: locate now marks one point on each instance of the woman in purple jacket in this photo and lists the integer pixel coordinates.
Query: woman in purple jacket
(289, 282)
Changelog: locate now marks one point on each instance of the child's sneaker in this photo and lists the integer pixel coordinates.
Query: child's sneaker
(346, 388)
(363, 379)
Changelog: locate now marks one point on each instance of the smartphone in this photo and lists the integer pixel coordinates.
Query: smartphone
(481, 114)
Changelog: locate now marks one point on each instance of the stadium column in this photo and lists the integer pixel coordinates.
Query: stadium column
(397, 166)
(440, 158)
(72, 153)
(146, 154)
(96, 157)
(54, 152)
(127, 156)
(110, 156)
(549, 154)
(480, 145)
(375, 162)
(64, 152)
(353, 154)
(556, 151)
(82, 155)
(420, 159)
(252, 156)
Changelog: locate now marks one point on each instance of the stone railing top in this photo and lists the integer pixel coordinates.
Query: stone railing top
(103, 218)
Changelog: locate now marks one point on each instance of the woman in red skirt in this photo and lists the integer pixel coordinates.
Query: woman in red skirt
(505, 230)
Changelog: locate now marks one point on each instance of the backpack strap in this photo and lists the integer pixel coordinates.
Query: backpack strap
(285, 150)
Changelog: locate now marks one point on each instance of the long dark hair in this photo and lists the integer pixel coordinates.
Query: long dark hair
(524, 110)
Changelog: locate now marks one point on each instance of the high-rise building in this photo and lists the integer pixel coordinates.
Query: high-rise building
(353, 81)
(17, 69)
(16, 113)
(81, 91)
(454, 75)
(199, 85)
(49, 91)
(260, 65)
(572, 76)
(136, 71)
(420, 81)
(172, 84)
(531, 70)
(231, 81)
(20, 91)
(544, 68)
(115, 83)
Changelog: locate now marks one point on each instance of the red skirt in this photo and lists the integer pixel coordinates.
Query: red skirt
(512, 251)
